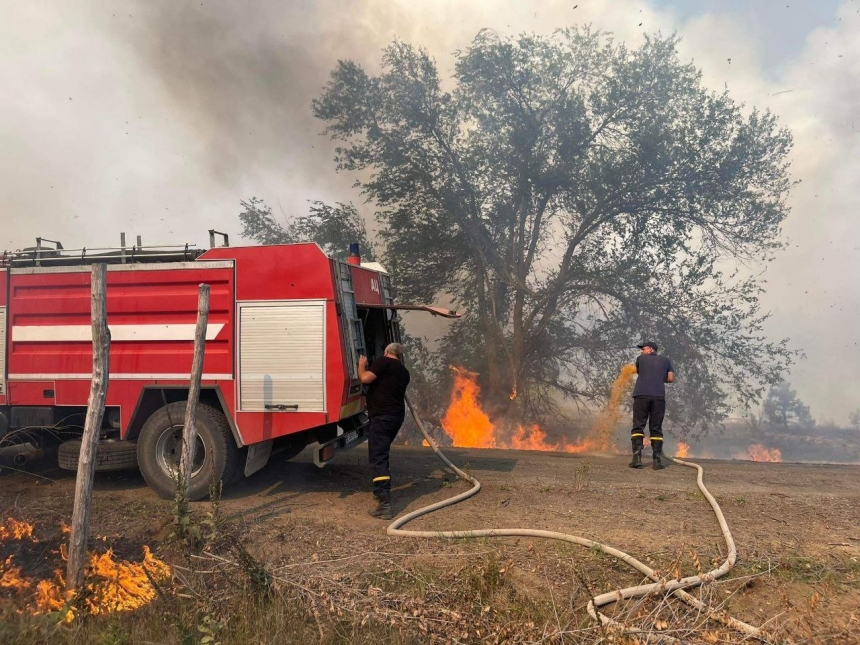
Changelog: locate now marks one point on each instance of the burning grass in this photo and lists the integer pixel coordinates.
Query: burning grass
(470, 427)
(110, 585)
(337, 583)
(758, 452)
(500, 592)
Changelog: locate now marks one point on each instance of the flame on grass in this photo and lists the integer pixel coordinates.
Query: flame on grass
(470, 427)
(683, 450)
(109, 585)
(758, 452)
(15, 530)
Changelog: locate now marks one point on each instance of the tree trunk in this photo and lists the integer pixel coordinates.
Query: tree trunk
(92, 425)
(189, 432)
(489, 326)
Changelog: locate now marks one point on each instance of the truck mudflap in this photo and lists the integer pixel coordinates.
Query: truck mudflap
(258, 456)
(325, 452)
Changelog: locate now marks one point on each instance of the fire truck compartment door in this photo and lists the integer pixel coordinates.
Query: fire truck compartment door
(282, 357)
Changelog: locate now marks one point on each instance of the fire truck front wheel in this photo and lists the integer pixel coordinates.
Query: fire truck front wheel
(159, 448)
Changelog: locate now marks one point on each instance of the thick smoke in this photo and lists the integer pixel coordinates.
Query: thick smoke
(156, 118)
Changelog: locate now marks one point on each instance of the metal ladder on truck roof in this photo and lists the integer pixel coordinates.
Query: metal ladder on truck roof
(353, 327)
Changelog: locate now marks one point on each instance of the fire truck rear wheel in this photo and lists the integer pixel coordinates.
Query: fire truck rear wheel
(159, 448)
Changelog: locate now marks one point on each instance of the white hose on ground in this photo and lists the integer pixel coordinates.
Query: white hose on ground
(660, 585)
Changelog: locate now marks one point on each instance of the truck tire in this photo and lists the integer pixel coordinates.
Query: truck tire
(159, 448)
(110, 455)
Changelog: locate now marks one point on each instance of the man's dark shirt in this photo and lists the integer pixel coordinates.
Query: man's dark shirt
(385, 395)
(652, 370)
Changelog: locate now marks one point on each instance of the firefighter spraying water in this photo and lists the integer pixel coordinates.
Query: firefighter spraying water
(649, 402)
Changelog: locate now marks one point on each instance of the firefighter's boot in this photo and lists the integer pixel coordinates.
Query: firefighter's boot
(658, 455)
(637, 453)
(383, 508)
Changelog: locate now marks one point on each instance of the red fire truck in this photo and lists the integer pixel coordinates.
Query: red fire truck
(286, 326)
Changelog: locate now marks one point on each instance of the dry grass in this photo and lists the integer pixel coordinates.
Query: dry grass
(473, 591)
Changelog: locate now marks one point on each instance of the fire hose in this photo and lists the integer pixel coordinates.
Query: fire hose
(659, 585)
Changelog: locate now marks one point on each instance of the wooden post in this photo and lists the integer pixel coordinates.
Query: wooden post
(189, 432)
(92, 425)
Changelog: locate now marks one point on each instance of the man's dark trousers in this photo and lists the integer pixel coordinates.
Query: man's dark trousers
(383, 429)
(648, 410)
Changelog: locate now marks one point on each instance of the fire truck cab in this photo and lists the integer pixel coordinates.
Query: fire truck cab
(286, 327)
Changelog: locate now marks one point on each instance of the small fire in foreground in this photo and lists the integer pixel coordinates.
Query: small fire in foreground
(683, 450)
(109, 586)
(15, 530)
(758, 452)
(469, 426)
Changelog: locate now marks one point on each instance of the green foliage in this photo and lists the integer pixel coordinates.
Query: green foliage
(332, 227)
(184, 527)
(188, 529)
(209, 629)
(115, 634)
(574, 196)
(782, 407)
(427, 376)
(259, 580)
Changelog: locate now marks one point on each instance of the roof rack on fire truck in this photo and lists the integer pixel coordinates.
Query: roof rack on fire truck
(56, 255)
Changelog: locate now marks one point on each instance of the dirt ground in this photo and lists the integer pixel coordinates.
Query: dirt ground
(796, 526)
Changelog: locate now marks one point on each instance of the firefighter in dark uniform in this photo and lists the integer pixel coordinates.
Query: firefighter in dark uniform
(649, 402)
(387, 379)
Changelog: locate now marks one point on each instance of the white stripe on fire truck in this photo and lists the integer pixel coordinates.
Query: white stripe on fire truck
(118, 333)
(138, 377)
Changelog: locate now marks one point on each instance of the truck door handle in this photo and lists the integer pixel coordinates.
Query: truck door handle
(279, 406)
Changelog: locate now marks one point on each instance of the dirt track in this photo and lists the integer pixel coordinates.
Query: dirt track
(805, 515)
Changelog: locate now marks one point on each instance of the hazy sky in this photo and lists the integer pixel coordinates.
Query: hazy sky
(155, 118)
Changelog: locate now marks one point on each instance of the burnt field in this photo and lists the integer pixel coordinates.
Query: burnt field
(290, 555)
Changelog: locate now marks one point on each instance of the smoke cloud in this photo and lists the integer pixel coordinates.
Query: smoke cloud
(155, 118)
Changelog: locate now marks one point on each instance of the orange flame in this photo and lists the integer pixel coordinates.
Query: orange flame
(465, 421)
(533, 439)
(15, 530)
(10, 577)
(758, 452)
(122, 586)
(683, 450)
(470, 427)
(109, 586)
(49, 598)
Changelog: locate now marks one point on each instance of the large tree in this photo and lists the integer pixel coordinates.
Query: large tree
(573, 196)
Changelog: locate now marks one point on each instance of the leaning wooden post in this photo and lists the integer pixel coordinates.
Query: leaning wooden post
(189, 432)
(92, 425)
